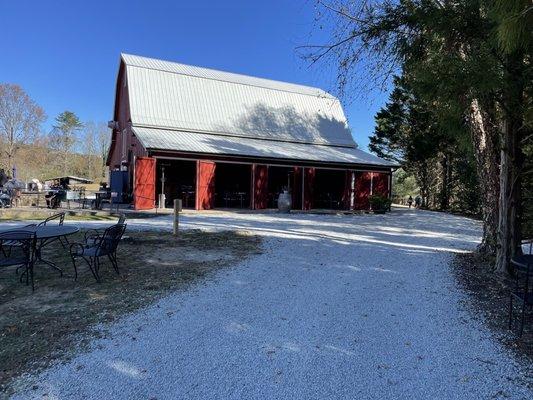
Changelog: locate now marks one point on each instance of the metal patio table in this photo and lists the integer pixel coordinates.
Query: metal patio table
(46, 235)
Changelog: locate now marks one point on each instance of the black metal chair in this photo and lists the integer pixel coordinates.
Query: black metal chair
(58, 219)
(94, 248)
(94, 234)
(7, 245)
(23, 254)
(523, 287)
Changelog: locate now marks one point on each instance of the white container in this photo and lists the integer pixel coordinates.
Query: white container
(284, 202)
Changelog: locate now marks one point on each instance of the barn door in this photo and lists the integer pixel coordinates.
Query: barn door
(260, 187)
(205, 185)
(144, 192)
(380, 184)
(363, 188)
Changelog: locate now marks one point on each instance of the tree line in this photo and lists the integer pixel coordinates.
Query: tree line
(459, 118)
(72, 147)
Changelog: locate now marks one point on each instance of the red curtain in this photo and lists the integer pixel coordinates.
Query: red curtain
(260, 187)
(144, 189)
(205, 185)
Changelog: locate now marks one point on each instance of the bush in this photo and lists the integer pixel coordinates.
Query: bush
(379, 202)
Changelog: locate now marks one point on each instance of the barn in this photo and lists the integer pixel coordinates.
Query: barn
(223, 140)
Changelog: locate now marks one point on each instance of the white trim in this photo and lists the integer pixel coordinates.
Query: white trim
(352, 190)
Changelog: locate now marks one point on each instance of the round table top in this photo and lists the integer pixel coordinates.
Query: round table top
(47, 231)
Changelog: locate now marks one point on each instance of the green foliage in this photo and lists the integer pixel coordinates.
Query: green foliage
(379, 202)
(63, 138)
(404, 184)
(431, 143)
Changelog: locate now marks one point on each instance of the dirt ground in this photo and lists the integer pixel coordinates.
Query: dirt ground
(489, 298)
(38, 328)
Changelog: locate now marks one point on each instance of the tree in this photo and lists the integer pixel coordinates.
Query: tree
(461, 54)
(95, 146)
(426, 140)
(63, 137)
(514, 18)
(104, 141)
(20, 119)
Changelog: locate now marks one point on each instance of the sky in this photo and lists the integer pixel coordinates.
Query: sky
(65, 54)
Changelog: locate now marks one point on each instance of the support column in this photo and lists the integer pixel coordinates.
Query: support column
(297, 189)
(349, 188)
(308, 188)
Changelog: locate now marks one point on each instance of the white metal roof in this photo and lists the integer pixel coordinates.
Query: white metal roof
(193, 142)
(180, 107)
(170, 95)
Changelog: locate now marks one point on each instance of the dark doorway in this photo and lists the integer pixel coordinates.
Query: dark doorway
(329, 190)
(180, 181)
(279, 179)
(232, 185)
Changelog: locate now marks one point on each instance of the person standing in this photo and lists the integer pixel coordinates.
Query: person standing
(410, 201)
(418, 201)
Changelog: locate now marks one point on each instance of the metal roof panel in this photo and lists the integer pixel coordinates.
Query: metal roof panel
(169, 95)
(193, 142)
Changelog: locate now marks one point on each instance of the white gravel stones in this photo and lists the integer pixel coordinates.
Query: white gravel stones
(337, 307)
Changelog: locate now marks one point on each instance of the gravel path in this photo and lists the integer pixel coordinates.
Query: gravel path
(337, 307)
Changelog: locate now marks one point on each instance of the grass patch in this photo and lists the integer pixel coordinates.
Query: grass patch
(38, 328)
(36, 215)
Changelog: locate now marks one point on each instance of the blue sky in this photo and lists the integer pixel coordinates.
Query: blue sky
(65, 53)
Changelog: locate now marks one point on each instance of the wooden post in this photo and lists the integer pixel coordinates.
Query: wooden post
(177, 209)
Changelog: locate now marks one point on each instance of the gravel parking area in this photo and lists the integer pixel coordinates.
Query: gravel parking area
(336, 307)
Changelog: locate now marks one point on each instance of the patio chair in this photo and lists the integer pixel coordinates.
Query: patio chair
(23, 256)
(523, 287)
(58, 219)
(7, 245)
(93, 234)
(94, 248)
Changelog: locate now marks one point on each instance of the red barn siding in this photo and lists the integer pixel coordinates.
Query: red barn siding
(205, 185)
(123, 141)
(380, 183)
(348, 191)
(362, 190)
(260, 187)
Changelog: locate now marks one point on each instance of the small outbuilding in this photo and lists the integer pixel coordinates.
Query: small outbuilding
(68, 181)
(222, 140)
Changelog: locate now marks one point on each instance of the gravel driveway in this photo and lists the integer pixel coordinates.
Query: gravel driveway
(337, 307)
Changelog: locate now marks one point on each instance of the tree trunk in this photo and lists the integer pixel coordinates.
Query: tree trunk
(484, 134)
(444, 192)
(509, 232)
